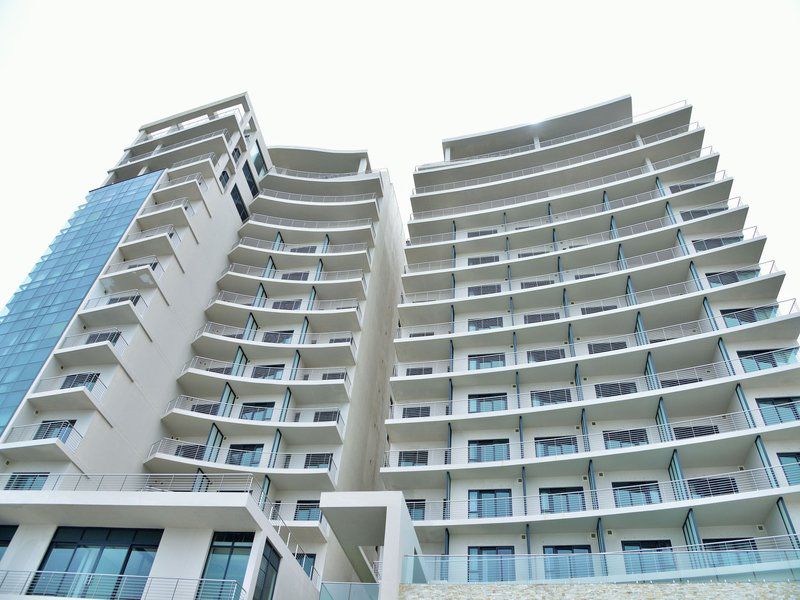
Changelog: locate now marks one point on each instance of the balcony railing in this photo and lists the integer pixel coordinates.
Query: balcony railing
(585, 308)
(278, 337)
(198, 177)
(656, 494)
(89, 382)
(578, 273)
(182, 202)
(133, 296)
(150, 262)
(112, 336)
(651, 139)
(580, 241)
(311, 276)
(234, 110)
(176, 145)
(255, 459)
(567, 189)
(566, 138)
(560, 349)
(315, 198)
(549, 219)
(104, 585)
(46, 430)
(306, 224)
(752, 559)
(314, 174)
(182, 163)
(297, 512)
(168, 230)
(270, 372)
(547, 395)
(257, 413)
(310, 248)
(287, 304)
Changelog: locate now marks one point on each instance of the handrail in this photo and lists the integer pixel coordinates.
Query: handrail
(269, 372)
(176, 145)
(314, 174)
(315, 198)
(198, 177)
(183, 202)
(135, 297)
(207, 156)
(566, 189)
(640, 297)
(566, 162)
(151, 262)
(110, 335)
(310, 248)
(313, 276)
(184, 125)
(169, 230)
(287, 304)
(46, 430)
(277, 336)
(307, 224)
(93, 385)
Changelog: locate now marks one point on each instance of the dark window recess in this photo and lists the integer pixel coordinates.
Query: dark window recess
(251, 181)
(590, 310)
(588, 275)
(488, 450)
(224, 178)
(412, 458)
(334, 376)
(258, 160)
(480, 290)
(555, 446)
(598, 347)
(624, 438)
(318, 460)
(545, 397)
(421, 334)
(696, 213)
(488, 323)
(80, 380)
(536, 283)
(616, 388)
(238, 202)
(268, 371)
(295, 276)
(286, 304)
(304, 249)
(529, 253)
(677, 382)
(541, 317)
(691, 431)
(325, 416)
(481, 232)
(413, 371)
(416, 508)
(236, 153)
(487, 402)
(416, 412)
(704, 487)
(779, 410)
(134, 299)
(545, 354)
(482, 260)
(278, 337)
(711, 243)
(718, 279)
(103, 336)
(682, 187)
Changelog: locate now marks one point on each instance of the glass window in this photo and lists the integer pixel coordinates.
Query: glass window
(227, 559)
(482, 260)
(416, 508)
(488, 323)
(599, 347)
(244, 455)
(561, 499)
(485, 504)
(490, 563)
(488, 450)
(734, 317)
(307, 562)
(706, 487)
(616, 388)
(224, 178)
(636, 493)
(648, 556)
(412, 458)
(690, 431)
(729, 277)
(721, 552)
(238, 202)
(258, 159)
(790, 461)
(236, 153)
(267, 573)
(416, 412)
(486, 361)
(624, 438)
(278, 337)
(26, 481)
(568, 562)
(307, 510)
(545, 397)
(545, 354)
(590, 310)
(480, 290)
(6, 534)
(257, 411)
(318, 460)
(534, 283)
(480, 232)
(757, 360)
(541, 317)
(487, 402)
(555, 446)
(779, 410)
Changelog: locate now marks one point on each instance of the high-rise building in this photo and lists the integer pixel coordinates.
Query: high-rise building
(225, 381)
(215, 320)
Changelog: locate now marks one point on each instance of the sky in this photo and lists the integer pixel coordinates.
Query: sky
(78, 78)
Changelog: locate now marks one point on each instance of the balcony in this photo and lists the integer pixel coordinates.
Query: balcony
(774, 558)
(192, 416)
(156, 241)
(178, 211)
(238, 278)
(305, 518)
(78, 391)
(132, 274)
(190, 124)
(193, 179)
(347, 231)
(279, 203)
(105, 346)
(128, 307)
(303, 471)
(161, 150)
(315, 174)
(337, 256)
(48, 440)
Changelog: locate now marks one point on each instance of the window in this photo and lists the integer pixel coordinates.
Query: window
(482, 260)
(681, 187)
(616, 388)
(103, 336)
(598, 347)
(488, 323)
(648, 556)
(706, 487)
(236, 153)
(790, 461)
(681, 381)
(75, 553)
(416, 412)
(54, 430)
(588, 275)
(227, 559)
(729, 277)
(636, 493)
(258, 160)
(307, 510)
(257, 411)
(568, 562)
(268, 371)
(238, 202)
(248, 177)
(318, 460)
(133, 299)
(554, 446)
(416, 508)
(6, 534)
(414, 371)
(757, 360)
(334, 376)
(295, 276)
(278, 337)
(75, 380)
(304, 249)
(412, 458)
(779, 410)
(490, 563)
(324, 416)
(26, 481)
(224, 178)
(481, 290)
(561, 499)
(718, 551)
(696, 213)
(545, 354)
(307, 562)
(487, 402)
(624, 438)
(547, 397)
(486, 504)
(711, 243)
(734, 317)
(684, 432)
(486, 361)
(480, 232)
(286, 304)
(267, 573)
(244, 455)
(590, 310)
(541, 317)
(488, 450)
(534, 283)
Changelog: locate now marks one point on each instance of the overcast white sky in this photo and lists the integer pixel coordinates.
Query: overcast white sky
(78, 78)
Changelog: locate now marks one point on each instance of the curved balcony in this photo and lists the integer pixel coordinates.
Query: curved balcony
(48, 440)
(702, 212)
(588, 308)
(551, 193)
(307, 470)
(315, 174)
(461, 292)
(337, 256)
(309, 205)
(521, 226)
(308, 231)
(192, 416)
(187, 126)
(238, 278)
(559, 164)
(204, 376)
(762, 559)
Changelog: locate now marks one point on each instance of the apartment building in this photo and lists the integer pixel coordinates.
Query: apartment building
(203, 351)
(597, 374)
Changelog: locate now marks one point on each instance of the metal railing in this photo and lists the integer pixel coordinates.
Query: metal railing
(278, 337)
(176, 145)
(198, 177)
(316, 198)
(559, 311)
(567, 189)
(608, 388)
(270, 372)
(576, 242)
(311, 276)
(121, 587)
(234, 110)
(574, 274)
(306, 224)
(594, 346)
(111, 336)
(573, 136)
(651, 139)
(150, 262)
(287, 304)
(182, 202)
(310, 248)
(548, 219)
(46, 430)
(134, 297)
(168, 230)
(765, 559)
(89, 382)
(345, 590)
(314, 174)
(207, 156)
